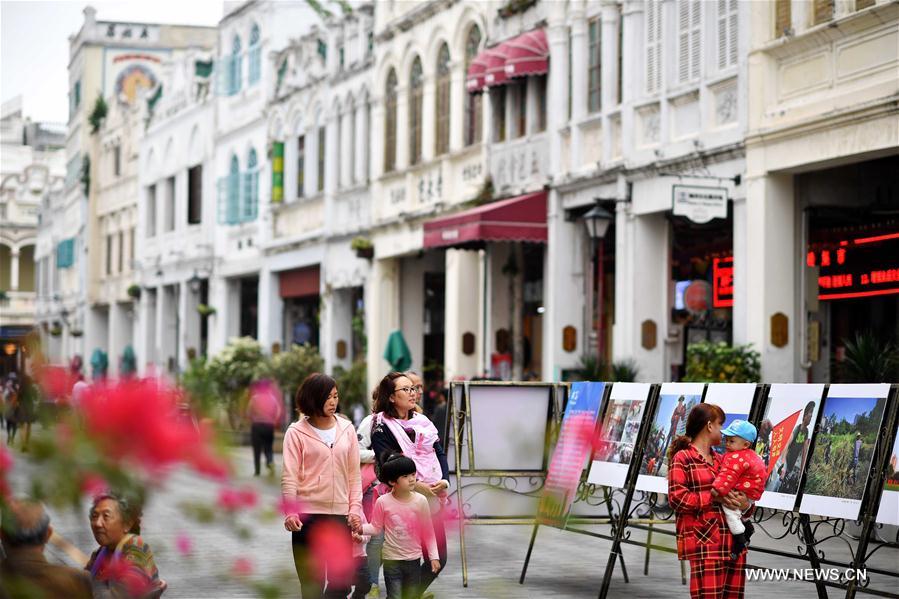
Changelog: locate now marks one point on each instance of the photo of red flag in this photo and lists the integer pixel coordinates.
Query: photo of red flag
(780, 434)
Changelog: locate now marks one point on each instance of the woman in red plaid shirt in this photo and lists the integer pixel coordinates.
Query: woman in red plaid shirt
(702, 534)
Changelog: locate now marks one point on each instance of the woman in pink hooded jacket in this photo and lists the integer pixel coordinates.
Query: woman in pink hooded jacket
(321, 477)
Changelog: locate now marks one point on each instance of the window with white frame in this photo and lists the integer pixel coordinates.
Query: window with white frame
(689, 40)
(594, 71)
(520, 103)
(727, 33)
(301, 166)
(255, 55)
(151, 210)
(473, 102)
(653, 47)
(234, 64)
(442, 108)
(320, 158)
(416, 110)
(390, 122)
(250, 188)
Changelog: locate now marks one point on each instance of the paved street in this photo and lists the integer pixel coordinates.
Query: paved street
(564, 564)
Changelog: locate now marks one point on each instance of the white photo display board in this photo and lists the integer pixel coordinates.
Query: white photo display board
(838, 469)
(735, 399)
(785, 436)
(508, 426)
(618, 434)
(669, 421)
(888, 512)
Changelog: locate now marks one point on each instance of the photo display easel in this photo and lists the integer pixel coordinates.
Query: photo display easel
(808, 520)
(501, 435)
(498, 447)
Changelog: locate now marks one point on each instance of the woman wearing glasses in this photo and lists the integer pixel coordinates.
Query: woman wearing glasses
(398, 428)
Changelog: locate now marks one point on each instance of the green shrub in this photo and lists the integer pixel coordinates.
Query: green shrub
(869, 360)
(352, 386)
(232, 370)
(721, 363)
(625, 371)
(290, 367)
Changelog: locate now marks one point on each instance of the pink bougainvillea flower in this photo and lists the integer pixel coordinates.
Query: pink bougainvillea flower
(56, 382)
(5, 466)
(138, 420)
(126, 574)
(184, 544)
(286, 506)
(242, 567)
(93, 484)
(332, 550)
(231, 500)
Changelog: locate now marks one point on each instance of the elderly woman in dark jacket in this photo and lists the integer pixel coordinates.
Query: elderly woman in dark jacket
(397, 428)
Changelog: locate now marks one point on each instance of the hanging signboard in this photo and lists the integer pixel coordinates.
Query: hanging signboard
(699, 204)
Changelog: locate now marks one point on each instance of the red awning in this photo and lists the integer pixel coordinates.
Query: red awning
(474, 80)
(516, 219)
(495, 59)
(299, 282)
(527, 54)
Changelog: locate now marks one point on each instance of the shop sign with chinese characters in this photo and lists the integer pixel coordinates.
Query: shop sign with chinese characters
(699, 204)
(862, 267)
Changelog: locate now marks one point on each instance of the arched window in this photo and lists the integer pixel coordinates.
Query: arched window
(390, 122)
(235, 67)
(472, 101)
(255, 52)
(442, 111)
(416, 96)
(251, 188)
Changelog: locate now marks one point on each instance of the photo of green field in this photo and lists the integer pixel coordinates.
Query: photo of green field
(841, 460)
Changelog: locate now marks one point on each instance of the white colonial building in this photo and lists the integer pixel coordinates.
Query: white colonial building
(428, 158)
(113, 67)
(822, 151)
(31, 179)
(242, 289)
(644, 97)
(175, 259)
(318, 137)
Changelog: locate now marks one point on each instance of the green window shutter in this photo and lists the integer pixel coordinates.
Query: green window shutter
(203, 68)
(65, 253)
(277, 171)
(232, 216)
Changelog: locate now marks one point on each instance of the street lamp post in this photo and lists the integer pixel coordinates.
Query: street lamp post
(597, 220)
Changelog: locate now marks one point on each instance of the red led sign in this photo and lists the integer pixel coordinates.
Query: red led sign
(723, 282)
(860, 268)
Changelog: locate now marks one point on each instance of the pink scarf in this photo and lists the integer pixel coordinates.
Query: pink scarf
(421, 451)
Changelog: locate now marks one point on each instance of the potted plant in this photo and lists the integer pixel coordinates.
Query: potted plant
(56, 330)
(134, 291)
(205, 310)
(76, 332)
(363, 247)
